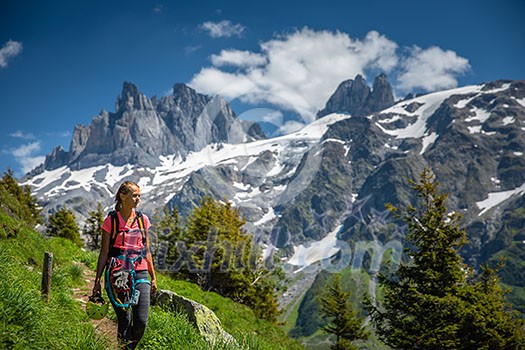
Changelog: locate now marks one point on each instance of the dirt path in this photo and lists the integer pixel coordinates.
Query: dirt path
(105, 328)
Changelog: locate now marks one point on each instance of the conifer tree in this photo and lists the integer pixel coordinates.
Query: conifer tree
(28, 209)
(93, 227)
(342, 320)
(224, 258)
(169, 231)
(62, 224)
(432, 300)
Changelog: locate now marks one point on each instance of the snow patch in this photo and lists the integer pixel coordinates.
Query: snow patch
(495, 180)
(334, 140)
(463, 103)
(495, 198)
(474, 129)
(521, 101)
(316, 251)
(480, 115)
(270, 215)
(430, 103)
(500, 89)
(508, 120)
(428, 141)
(241, 186)
(347, 150)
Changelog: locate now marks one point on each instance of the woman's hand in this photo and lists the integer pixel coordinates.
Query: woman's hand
(153, 286)
(97, 288)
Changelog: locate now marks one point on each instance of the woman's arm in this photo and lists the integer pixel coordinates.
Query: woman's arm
(151, 268)
(101, 263)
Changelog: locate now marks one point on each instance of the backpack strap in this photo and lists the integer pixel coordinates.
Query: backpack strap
(114, 226)
(140, 220)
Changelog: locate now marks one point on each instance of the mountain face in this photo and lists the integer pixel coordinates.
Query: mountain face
(355, 97)
(142, 129)
(314, 193)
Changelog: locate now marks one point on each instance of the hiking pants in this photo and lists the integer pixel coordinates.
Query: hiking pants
(132, 322)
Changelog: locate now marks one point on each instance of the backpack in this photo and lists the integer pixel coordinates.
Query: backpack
(120, 268)
(115, 230)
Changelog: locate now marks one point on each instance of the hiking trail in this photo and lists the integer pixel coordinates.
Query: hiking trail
(106, 327)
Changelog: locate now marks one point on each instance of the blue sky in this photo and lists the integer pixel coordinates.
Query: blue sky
(62, 62)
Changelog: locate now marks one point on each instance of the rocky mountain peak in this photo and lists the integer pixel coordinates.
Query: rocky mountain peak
(181, 89)
(355, 97)
(132, 99)
(382, 96)
(143, 129)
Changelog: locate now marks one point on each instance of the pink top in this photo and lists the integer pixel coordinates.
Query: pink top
(128, 238)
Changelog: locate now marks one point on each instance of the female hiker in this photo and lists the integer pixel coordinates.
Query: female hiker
(126, 261)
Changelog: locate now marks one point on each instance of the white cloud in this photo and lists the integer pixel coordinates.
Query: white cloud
(19, 134)
(191, 49)
(222, 29)
(274, 117)
(267, 115)
(300, 70)
(65, 133)
(214, 81)
(238, 58)
(431, 69)
(25, 156)
(10, 50)
(159, 8)
(29, 163)
(26, 149)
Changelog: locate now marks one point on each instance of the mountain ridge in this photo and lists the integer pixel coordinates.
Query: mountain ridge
(173, 121)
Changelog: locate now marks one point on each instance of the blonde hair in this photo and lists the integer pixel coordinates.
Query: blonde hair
(124, 188)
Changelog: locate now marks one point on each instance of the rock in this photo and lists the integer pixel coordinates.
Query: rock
(205, 320)
(382, 96)
(132, 99)
(56, 158)
(354, 97)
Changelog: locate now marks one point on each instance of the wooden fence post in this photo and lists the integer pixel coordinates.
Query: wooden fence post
(47, 274)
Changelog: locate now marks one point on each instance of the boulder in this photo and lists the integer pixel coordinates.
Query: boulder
(205, 320)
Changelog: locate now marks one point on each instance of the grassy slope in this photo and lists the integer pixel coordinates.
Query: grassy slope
(26, 322)
(238, 320)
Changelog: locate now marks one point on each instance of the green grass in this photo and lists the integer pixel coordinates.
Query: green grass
(168, 331)
(27, 322)
(238, 320)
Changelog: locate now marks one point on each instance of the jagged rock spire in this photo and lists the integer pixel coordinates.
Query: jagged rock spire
(356, 98)
(132, 99)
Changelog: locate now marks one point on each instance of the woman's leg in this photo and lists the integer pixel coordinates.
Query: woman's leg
(141, 310)
(124, 328)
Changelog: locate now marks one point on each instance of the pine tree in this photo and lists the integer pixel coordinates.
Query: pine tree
(28, 209)
(225, 260)
(62, 224)
(432, 301)
(169, 232)
(342, 320)
(93, 227)
(489, 321)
